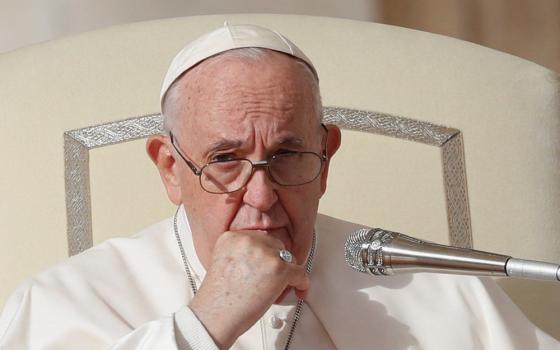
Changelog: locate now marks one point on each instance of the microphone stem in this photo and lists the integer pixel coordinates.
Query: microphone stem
(381, 252)
(539, 270)
(407, 254)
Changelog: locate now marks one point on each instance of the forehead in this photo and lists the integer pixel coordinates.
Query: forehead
(232, 95)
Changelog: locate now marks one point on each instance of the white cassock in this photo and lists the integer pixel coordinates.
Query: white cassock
(130, 293)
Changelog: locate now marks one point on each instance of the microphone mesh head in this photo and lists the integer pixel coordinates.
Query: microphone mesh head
(354, 246)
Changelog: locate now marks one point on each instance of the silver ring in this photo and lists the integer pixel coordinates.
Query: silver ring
(286, 255)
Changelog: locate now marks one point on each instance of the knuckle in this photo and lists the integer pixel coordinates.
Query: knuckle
(274, 264)
(239, 240)
(225, 237)
(244, 240)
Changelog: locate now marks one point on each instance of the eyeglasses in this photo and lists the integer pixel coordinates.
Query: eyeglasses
(289, 168)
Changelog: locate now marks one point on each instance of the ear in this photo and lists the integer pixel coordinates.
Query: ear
(159, 150)
(333, 143)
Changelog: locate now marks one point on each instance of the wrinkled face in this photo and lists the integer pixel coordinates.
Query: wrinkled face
(248, 109)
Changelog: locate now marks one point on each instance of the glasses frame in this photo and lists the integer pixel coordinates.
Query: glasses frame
(264, 163)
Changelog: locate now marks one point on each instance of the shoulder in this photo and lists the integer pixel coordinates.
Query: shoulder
(333, 232)
(100, 285)
(406, 308)
(335, 225)
(111, 255)
(332, 269)
(105, 261)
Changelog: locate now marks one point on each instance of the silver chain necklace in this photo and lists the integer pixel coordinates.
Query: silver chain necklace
(194, 289)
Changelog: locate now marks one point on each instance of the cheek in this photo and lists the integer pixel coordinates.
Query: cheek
(213, 214)
(301, 204)
(305, 199)
(209, 216)
(302, 201)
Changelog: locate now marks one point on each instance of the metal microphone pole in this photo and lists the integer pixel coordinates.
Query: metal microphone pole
(381, 252)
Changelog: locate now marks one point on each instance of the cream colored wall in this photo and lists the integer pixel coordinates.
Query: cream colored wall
(525, 28)
(24, 22)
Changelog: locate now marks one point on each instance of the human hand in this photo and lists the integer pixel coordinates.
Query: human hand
(245, 277)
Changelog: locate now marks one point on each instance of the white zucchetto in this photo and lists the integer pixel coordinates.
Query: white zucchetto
(227, 38)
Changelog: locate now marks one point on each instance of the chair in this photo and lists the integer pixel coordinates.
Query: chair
(465, 147)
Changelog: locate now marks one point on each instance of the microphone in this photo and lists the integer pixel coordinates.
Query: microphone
(380, 252)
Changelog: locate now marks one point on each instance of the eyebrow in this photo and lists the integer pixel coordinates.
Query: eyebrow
(290, 140)
(223, 144)
(229, 144)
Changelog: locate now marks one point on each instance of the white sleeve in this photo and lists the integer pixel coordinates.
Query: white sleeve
(181, 331)
(190, 332)
(24, 325)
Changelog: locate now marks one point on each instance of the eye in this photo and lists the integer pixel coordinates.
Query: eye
(223, 157)
(285, 152)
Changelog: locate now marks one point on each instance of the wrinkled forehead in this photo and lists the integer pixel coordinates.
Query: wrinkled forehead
(274, 93)
(267, 77)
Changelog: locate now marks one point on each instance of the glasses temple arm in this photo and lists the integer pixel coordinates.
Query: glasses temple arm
(190, 164)
(324, 153)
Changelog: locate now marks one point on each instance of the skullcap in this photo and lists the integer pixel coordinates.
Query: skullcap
(227, 38)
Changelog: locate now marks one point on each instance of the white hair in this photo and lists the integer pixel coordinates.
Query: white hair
(173, 96)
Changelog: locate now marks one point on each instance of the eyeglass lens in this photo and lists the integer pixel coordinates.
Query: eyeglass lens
(290, 169)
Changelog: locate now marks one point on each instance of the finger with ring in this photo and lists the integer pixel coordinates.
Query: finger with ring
(286, 255)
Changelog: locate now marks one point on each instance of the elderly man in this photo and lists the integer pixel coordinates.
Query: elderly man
(246, 262)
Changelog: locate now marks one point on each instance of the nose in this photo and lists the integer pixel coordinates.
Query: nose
(259, 191)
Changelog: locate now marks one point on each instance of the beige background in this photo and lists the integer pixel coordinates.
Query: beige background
(23, 22)
(525, 28)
